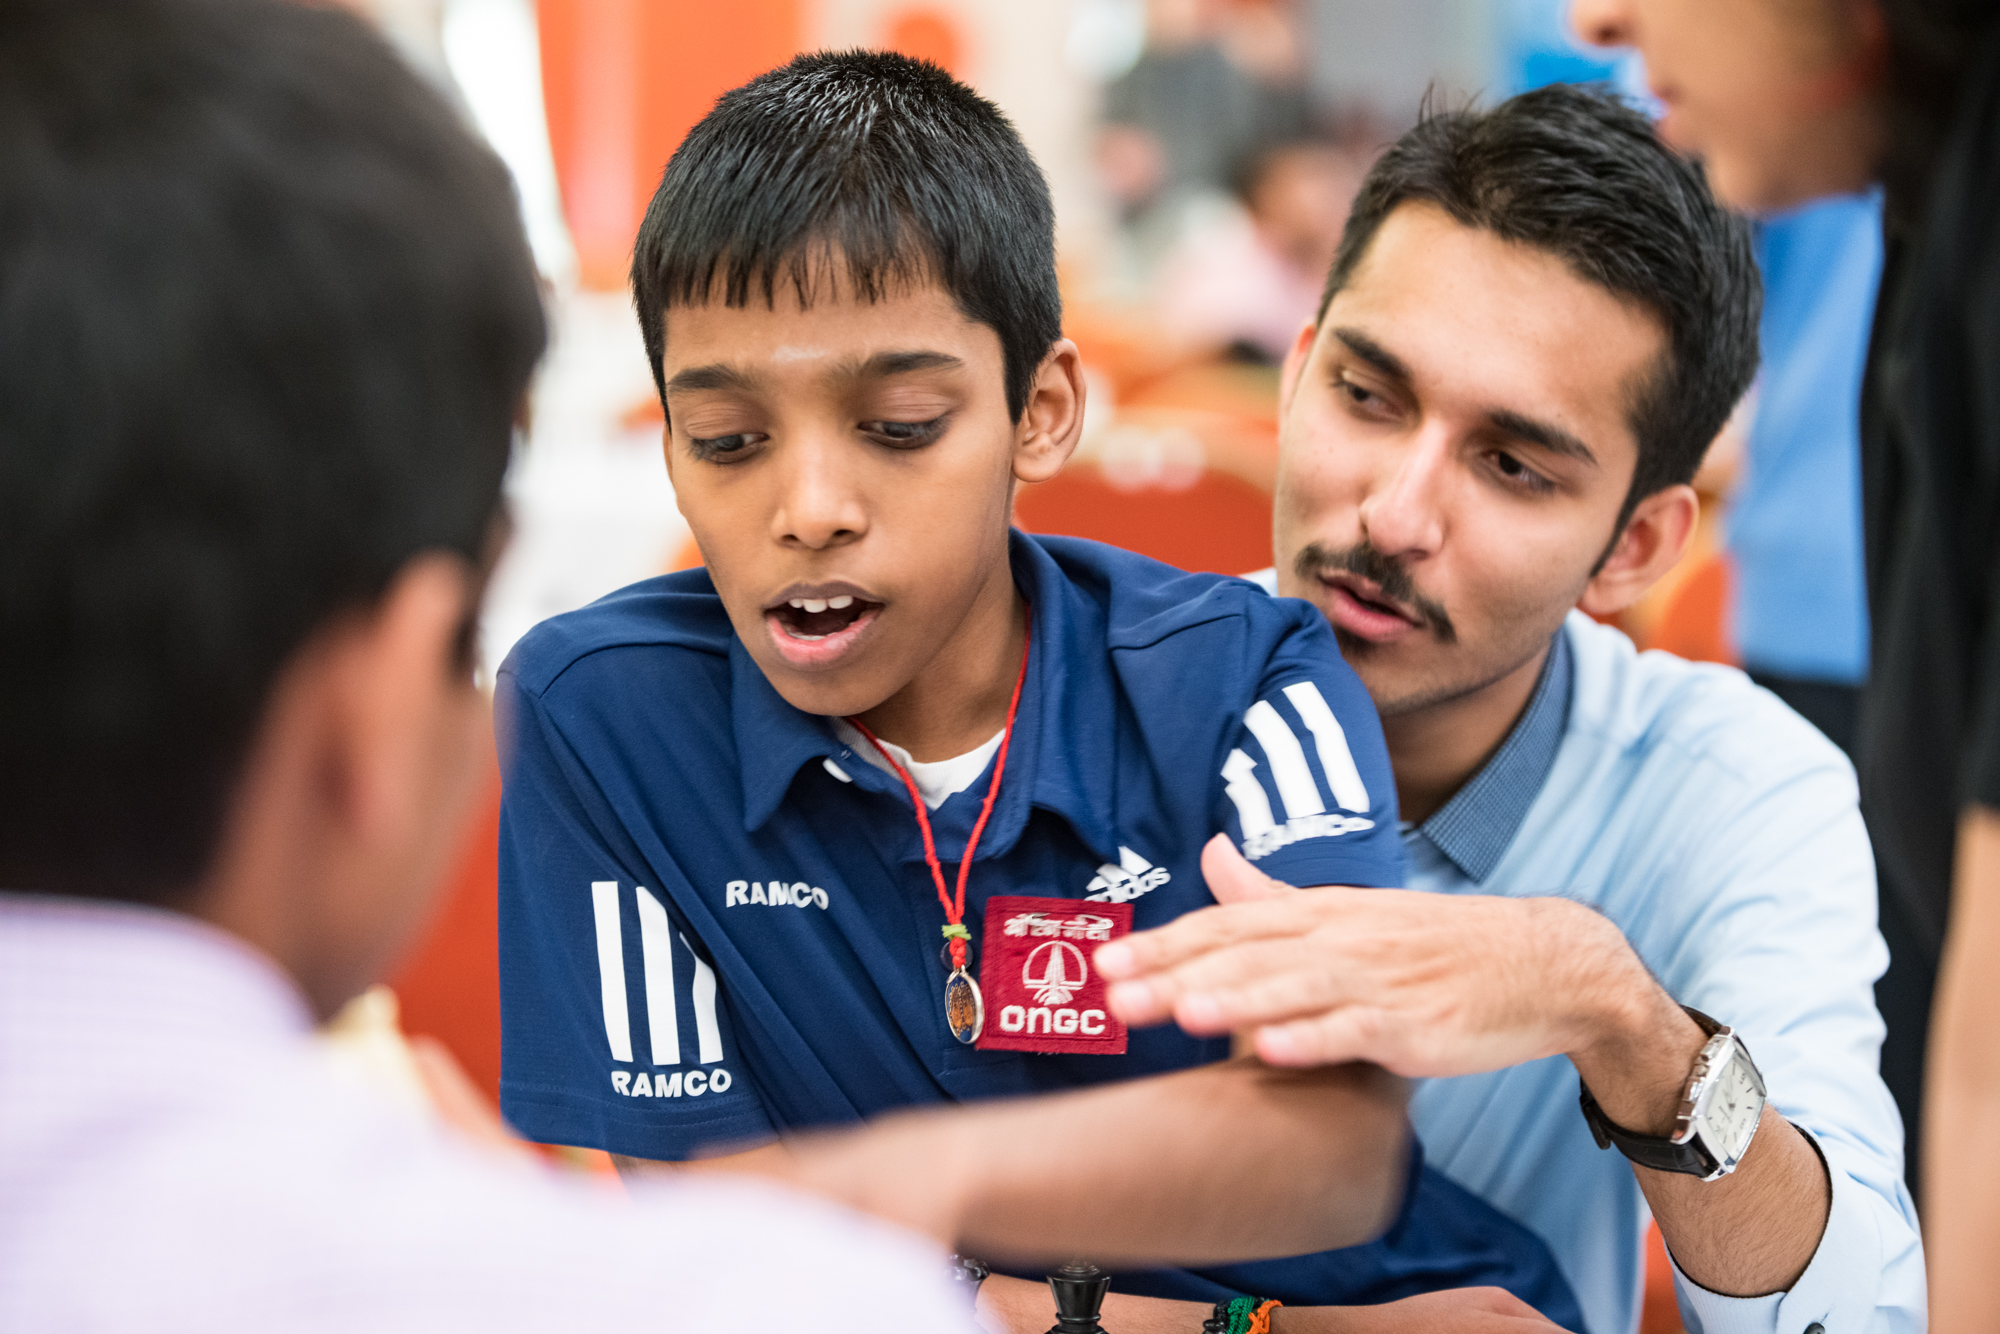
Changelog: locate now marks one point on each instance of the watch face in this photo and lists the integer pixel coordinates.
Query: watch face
(1731, 1108)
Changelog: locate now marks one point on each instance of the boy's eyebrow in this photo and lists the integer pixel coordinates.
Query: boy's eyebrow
(1529, 431)
(1372, 352)
(901, 363)
(715, 375)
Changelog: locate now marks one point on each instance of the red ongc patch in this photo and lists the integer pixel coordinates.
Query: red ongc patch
(1042, 994)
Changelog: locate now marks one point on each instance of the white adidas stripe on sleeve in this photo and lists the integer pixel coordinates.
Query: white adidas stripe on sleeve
(1253, 808)
(611, 967)
(1298, 791)
(1334, 756)
(707, 1032)
(656, 945)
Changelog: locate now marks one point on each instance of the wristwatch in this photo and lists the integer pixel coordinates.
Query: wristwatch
(1718, 1115)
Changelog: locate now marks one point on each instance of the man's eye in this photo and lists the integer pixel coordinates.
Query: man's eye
(722, 448)
(907, 434)
(1520, 474)
(1363, 399)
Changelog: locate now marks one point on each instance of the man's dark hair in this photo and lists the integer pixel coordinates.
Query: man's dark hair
(266, 317)
(1579, 174)
(862, 164)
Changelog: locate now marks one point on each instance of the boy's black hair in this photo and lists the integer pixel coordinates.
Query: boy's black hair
(266, 316)
(1577, 173)
(882, 165)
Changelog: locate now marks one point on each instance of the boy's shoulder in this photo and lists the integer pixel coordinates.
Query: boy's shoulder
(674, 611)
(1147, 603)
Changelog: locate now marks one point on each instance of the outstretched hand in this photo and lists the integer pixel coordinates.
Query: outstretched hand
(1423, 984)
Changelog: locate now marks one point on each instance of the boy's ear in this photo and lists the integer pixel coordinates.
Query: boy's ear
(1655, 538)
(1052, 421)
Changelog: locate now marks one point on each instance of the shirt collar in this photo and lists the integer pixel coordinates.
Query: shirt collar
(1061, 755)
(160, 979)
(1476, 826)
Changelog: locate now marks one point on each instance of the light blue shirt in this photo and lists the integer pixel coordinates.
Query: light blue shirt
(1722, 834)
(1794, 523)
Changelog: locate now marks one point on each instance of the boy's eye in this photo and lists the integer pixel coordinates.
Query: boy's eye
(906, 434)
(723, 448)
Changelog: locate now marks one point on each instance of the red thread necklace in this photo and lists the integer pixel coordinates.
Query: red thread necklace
(964, 1006)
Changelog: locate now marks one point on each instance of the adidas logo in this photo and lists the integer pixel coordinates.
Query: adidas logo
(1133, 876)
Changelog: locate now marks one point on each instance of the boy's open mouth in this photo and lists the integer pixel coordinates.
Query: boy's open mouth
(813, 619)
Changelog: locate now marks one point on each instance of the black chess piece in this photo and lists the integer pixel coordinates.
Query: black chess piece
(1080, 1289)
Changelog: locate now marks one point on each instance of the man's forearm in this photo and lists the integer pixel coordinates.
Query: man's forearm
(1750, 1233)
(1228, 1162)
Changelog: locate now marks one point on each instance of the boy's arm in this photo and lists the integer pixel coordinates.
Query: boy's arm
(1227, 1162)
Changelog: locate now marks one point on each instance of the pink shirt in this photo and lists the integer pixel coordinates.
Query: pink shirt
(176, 1154)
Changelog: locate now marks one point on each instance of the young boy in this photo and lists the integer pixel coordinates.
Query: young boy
(833, 826)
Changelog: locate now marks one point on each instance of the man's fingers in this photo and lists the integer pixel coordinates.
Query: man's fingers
(1197, 933)
(1235, 986)
(1231, 877)
(1267, 982)
(1349, 1033)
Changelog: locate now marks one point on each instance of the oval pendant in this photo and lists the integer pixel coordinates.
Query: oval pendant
(964, 1007)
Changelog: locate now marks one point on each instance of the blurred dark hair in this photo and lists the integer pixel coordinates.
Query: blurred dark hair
(882, 164)
(1579, 174)
(1932, 44)
(266, 315)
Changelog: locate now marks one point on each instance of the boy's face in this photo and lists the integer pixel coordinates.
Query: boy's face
(1454, 453)
(847, 469)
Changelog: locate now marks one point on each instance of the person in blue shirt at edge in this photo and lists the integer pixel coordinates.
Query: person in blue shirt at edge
(1537, 320)
(1799, 610)
(765, 824)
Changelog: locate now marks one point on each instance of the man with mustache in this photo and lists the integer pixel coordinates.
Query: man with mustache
(1538, 319)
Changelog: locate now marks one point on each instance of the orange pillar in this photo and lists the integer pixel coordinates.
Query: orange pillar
(623, 81)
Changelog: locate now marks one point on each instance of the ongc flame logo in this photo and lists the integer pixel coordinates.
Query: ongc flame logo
(1057, 972)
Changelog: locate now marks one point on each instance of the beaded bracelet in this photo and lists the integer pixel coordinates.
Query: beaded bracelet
(1241, 1315)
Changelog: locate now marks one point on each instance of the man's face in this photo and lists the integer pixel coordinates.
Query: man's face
(1780, 98)
(846, 468)
(1454, 453)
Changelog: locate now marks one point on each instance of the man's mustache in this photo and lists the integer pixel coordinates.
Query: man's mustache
(1390, 576)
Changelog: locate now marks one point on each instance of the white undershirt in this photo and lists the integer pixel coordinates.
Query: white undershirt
(937, 781)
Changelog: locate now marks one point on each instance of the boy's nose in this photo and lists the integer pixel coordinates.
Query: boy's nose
(819, 506)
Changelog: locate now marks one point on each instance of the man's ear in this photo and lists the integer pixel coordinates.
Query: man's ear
(1655, 538)
(399, 691)
(1295, 364)
(1052, 421)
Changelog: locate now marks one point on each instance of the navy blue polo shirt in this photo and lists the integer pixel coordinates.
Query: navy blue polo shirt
(717, 924)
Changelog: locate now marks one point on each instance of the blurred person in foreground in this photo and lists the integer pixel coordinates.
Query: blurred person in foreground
(267, 316)
(1538, 320)
(1790, 101)
(266, 322)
